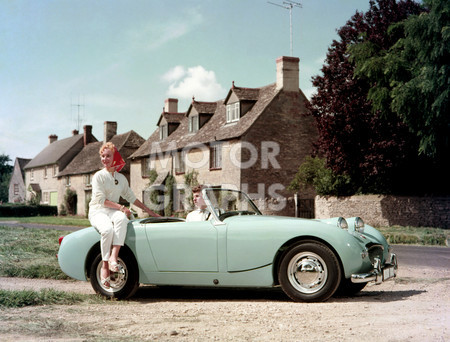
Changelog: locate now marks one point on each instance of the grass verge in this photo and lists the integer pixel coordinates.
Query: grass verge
(51, 220)
(21, 298)
(416, 236)
(30, 253)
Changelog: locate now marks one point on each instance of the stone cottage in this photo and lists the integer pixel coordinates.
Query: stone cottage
(41, 173)
(17, 189)
(78, 174)
(253, 140)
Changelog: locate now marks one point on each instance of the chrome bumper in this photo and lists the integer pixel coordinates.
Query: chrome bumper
(379, 274)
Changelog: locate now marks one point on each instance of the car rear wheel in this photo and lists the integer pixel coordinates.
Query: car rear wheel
(309, 272)
(123, 283)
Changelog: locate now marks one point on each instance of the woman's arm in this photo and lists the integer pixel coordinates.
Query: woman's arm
(145, 208)
(114, 205)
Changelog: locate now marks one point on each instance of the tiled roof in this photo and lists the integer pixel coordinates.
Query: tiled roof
(88, 160)
(22, 163)
(216, 128)
(203, 107)
(171, 117)
(244, 94)
(53, 152)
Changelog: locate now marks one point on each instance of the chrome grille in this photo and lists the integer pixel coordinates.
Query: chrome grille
(375, 251)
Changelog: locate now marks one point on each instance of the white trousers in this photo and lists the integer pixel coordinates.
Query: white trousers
(112, 226)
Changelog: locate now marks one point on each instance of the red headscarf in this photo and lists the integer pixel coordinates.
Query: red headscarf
(118, 161)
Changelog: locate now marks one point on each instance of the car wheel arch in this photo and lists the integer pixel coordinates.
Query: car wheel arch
(91, 255)
(95, 250)
(295, 241)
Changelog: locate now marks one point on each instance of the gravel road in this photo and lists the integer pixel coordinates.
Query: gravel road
(413, 307)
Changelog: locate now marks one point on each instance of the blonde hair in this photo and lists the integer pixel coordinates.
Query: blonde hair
(109, 145)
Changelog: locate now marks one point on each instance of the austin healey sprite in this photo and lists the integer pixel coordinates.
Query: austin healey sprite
(237, 247)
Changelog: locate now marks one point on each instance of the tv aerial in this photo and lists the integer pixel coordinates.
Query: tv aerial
(78, 119)
(288, 4)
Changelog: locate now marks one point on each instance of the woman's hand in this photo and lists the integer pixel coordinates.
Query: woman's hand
(127, 212)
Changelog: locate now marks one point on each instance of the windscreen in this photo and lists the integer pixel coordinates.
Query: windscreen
(224, 201)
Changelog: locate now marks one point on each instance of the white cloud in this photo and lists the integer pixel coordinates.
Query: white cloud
(153, 35)
(174, 74)
(195, 81)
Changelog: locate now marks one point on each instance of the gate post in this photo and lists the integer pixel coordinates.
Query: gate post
(296, 204)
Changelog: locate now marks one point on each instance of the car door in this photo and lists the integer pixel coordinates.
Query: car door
(183, 246)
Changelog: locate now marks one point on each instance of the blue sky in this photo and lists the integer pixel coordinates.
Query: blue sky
(121, 59)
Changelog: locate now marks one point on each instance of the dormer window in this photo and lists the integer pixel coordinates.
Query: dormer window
(193, 123)
(163, 132)
(233, 112)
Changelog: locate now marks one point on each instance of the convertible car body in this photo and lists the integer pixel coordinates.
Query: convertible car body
(237, 247)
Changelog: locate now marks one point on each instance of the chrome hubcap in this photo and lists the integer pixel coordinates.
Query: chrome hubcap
(307, 272)
(118, 279)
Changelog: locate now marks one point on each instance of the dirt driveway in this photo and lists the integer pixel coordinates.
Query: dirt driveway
(414, 307)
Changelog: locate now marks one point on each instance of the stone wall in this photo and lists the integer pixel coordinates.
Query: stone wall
(377, 210)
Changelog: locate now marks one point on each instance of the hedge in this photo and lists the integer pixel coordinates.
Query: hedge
(18, 210)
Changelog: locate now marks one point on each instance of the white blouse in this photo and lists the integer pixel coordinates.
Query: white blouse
(106, 186)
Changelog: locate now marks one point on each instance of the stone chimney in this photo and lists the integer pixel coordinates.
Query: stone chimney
(52, 138)
(75, 132)
(171, 106)
(109, 130)
(288, 73)
(87, 138)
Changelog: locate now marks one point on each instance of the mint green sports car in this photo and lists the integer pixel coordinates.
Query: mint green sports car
(237, 247)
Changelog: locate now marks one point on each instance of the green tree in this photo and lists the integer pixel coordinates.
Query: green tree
(313, 172)
(191, 180)
(371, 151)
(411, 78)
(5, 175)
(70, 201)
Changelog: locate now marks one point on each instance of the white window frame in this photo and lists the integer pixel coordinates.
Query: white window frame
(163, 132)
(194, 123)
(145, 167)
(233, 112)
(88, 179)
(46, 197)
(180, 161)
(215, 154)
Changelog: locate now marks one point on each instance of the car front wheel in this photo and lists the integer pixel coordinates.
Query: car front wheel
(123, 283)
(309, 272)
